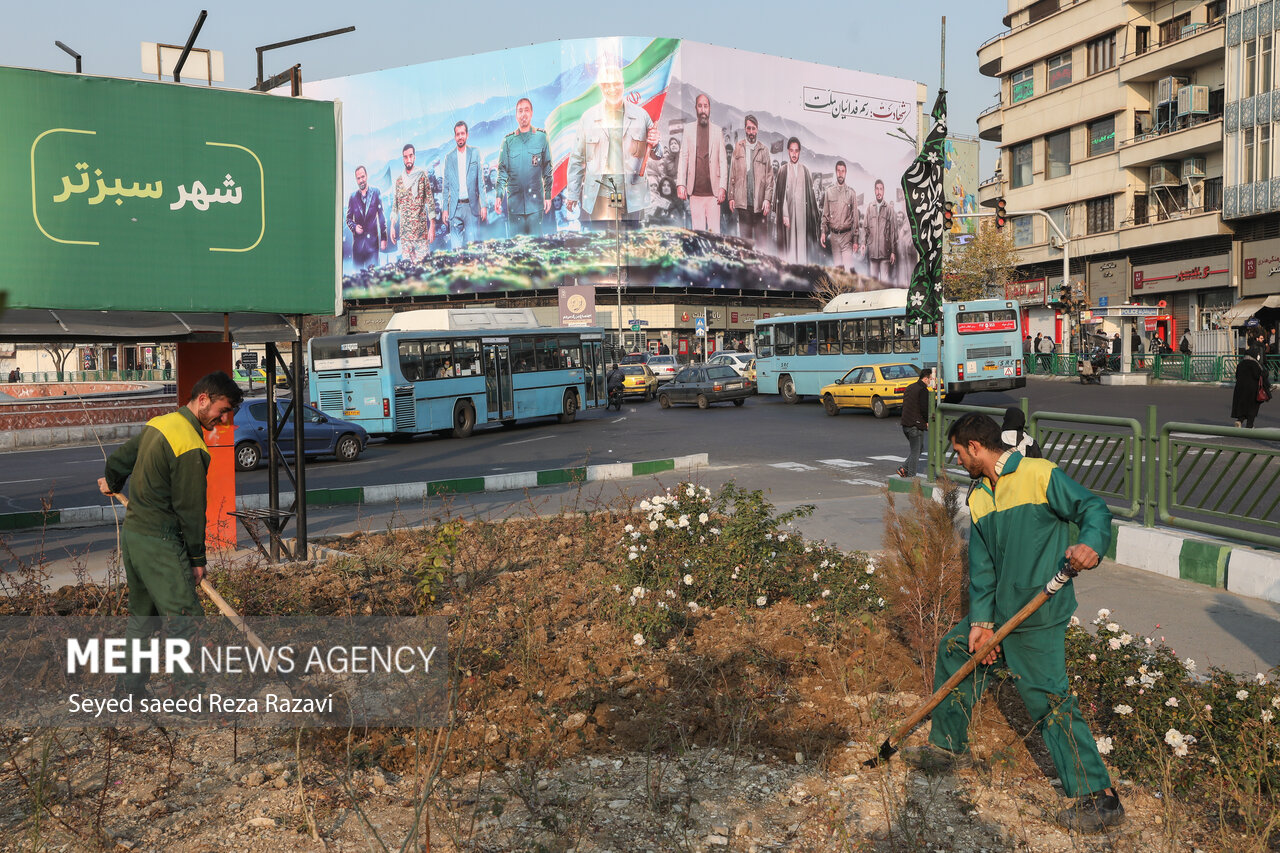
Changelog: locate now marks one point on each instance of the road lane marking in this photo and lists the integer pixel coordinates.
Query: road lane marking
(527, 440)
(887, 458)
(14, 482)
(792, 466)
(842, 463)
(863, 482)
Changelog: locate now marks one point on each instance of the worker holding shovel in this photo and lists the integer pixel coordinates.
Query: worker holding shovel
(1021, 511)
(162, 542)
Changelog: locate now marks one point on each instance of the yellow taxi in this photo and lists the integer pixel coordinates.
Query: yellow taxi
(878, 387)
(750, 372)
(639, 380)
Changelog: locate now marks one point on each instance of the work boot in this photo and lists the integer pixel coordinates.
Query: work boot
(935, 759)
(1093, 813)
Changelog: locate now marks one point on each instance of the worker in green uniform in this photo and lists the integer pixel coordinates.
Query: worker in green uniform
(162, 540)
(524, 174)
(1020, 513)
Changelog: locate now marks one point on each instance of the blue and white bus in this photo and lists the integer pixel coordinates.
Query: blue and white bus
(399, 382)
(796, 355)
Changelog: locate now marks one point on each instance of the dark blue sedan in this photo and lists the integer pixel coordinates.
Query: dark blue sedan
(322, 435)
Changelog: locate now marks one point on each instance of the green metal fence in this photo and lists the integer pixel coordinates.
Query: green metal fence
(1220, 481)
(1169, 367)
(46, 376)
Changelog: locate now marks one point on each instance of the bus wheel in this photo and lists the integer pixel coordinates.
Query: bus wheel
(569, 408)
(829, 403)
(787, 389)
(464, 419)
(953, 397)
(878, 408)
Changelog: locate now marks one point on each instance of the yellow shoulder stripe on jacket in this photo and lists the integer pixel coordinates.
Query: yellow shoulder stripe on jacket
(179, 432)
(1028, 484)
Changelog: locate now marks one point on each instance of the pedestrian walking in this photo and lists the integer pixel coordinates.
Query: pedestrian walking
(915, 419)
(1044, 346)
(1021, 514)
(162, 539)
(1013, 432)
(1252, 389)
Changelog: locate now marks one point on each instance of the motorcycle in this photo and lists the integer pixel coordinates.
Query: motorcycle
(614, 400)
(1093, 366)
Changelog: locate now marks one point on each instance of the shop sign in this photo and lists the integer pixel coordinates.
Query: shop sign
(1193, 274)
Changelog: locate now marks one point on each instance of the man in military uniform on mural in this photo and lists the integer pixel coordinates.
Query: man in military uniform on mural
(880, 236)
(524, 174)
(840, 220)
(751, 185)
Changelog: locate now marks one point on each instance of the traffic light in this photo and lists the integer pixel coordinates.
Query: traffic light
(1000, 212)
(948, 215)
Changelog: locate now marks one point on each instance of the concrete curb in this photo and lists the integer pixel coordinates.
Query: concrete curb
(49, 437)
(391, 493)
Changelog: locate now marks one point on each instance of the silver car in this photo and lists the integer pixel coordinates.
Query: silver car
(665, 366)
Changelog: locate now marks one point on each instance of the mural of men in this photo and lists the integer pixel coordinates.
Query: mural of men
(751, 184)
(615, 140)
(880, 236)
(367, 222)
(908, 257)
(413, 209)
(840, 220)
(701, 172)
(797, 211)
(524, 174)
(463, 195)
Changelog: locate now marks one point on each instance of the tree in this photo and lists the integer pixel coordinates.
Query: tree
(982, 267)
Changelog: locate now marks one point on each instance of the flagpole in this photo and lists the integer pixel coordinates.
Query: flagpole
(939, 381)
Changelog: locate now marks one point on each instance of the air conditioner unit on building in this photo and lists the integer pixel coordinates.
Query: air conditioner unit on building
(1193, 167)
(1164, 175)
(1193, 100)
(1167, 89)
(1195, 194)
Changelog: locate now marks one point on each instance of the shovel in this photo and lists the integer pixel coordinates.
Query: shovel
(887, 749)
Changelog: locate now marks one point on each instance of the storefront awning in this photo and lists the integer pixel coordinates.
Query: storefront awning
(1237, 314)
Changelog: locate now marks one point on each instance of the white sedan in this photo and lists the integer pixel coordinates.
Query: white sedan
(737, 360)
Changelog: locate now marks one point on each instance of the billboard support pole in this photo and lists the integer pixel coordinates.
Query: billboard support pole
(70, 52)
(264, 48)
(186, 50)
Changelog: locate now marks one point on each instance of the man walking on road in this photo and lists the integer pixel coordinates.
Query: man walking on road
(915, 419)
(162, 540)
(1021, 511)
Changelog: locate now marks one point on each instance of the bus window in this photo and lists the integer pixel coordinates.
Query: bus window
(764, 342)
(828, 337)
(411, 361)
(806, 338)
(437, 359)
(547, 352)
(905, 336)
(522, 358)
(466, 358)
(852, 342)
(878, 331)
(784, 339)
(570, 351)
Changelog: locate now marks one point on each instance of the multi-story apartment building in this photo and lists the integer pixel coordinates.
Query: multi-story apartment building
(1252, 194)
(1110, 119)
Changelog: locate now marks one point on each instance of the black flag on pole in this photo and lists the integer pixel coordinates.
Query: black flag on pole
(922, 186)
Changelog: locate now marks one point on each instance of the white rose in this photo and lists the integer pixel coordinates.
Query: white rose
(761, 601)
(1242, 695)
(638, 639)
(688, 580)
(1172, 702)
(1123, 710)
(1104, 745)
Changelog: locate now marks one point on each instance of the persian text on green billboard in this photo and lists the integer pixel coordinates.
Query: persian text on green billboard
(119, 194)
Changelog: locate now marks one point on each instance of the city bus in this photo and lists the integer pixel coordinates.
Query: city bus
(400, 382)
(796, 355)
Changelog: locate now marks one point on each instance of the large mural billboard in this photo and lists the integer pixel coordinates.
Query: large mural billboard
(672, 163)
(960, 184)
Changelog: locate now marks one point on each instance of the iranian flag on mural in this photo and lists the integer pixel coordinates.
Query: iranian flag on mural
(645, 78)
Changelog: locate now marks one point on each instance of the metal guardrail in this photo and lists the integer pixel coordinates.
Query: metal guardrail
(1220, 481)
(1174, 366)
(41, 376)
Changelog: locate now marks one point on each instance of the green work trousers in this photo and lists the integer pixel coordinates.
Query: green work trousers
(1037, 661)
(162, 589)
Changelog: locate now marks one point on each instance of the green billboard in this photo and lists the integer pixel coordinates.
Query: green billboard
(129, 195)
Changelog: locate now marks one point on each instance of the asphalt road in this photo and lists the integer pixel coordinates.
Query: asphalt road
(764, 432)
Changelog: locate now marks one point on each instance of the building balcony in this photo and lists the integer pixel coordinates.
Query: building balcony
(990, 122)
(990, 53)
(990, 190)
(1186, 53)
(1176, 226)
(1202, 136)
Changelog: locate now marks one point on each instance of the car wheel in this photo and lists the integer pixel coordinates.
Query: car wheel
(247, 456)
(648, 395)
(739, 402)
(664, 401)
(787, 389)
(568, 408)
(347, 449)
(829, 403)
(878, 408)
(464, 420)
(702, 401)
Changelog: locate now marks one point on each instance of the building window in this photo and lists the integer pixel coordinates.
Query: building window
(1250, 75)
(1264, 64)
(1246, 161)
(1023, 85)
(1102, 136)
(1099, 214)
(1102, 54)
(1057, 148)
(1215, 10)
(1213, 194)
(1171, 30)
(1141, 40)
(1023, 232)
(1059, 70)
(1021, 172)
(1264, 153)
(1140, 209)
(1059, 217)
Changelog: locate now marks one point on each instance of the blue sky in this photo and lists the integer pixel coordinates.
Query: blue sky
(899, 40)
